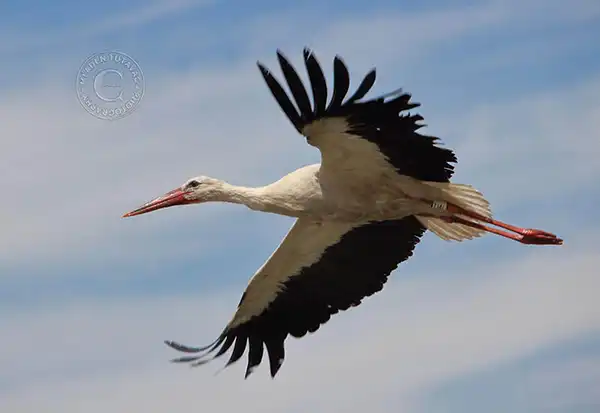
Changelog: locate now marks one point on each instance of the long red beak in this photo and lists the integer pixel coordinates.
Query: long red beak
(171, 198)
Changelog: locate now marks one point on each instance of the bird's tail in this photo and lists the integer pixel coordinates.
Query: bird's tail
(464, 196)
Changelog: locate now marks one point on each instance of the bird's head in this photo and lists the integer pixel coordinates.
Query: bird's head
(193, 191)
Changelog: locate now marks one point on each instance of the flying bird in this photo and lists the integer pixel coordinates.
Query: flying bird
(359, 213)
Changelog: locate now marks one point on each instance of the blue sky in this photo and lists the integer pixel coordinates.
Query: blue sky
(86, 298)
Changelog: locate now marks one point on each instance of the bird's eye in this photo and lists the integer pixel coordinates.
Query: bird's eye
(193, 184)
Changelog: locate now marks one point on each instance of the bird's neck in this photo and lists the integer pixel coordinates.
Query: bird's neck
(251, 197)
(263, 199)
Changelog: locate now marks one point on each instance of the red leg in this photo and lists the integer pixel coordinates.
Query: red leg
(524, 236)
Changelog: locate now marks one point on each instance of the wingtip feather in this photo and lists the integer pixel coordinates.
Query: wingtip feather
(182, 348)
(281, 56)
(262, 67)
(275, 366)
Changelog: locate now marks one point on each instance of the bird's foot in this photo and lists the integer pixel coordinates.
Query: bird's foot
(539, 237)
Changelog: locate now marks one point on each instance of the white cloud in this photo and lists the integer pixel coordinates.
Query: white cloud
(15, 39)
(142, 15)
(421, 331)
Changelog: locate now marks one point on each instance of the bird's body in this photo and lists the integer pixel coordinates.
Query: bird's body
(360, 212)
(342, 194)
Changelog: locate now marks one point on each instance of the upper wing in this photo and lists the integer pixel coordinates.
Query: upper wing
(318, 270)
(352, 133)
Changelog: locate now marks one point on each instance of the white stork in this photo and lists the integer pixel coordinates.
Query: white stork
(360, 212)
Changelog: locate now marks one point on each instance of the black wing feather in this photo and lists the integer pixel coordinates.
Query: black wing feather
(364, 87)
(255, 354)
(238, 349)
(317, 81)
(341, 83)
(295, 84)
(226, 346)
(282, 98)
(276, 352)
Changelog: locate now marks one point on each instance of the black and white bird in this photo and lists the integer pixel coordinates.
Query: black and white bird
(360, 212)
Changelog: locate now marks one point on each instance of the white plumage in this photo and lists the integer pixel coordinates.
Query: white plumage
(360, 212)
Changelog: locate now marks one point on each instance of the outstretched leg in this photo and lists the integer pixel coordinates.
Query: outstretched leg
(523, 235)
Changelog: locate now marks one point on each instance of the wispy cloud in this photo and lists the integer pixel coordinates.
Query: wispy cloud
(17, 40)
(143, 15)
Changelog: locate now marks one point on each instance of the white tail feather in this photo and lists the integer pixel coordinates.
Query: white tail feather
(464, 196)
